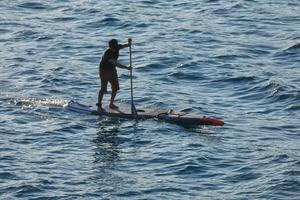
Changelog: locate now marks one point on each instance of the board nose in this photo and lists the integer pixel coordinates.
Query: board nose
(217, 122)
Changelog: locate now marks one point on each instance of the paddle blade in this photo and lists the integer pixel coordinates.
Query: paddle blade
(134, 111)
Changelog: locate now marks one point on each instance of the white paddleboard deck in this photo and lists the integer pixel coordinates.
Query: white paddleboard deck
(123, 109)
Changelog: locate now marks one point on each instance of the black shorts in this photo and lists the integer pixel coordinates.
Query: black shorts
(110, 76)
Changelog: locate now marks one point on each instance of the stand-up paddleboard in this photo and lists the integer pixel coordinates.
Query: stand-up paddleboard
(145, 113)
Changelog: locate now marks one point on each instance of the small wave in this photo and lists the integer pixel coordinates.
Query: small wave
(93, 11)
(272, 84)
(263, 88)
(294, 107)
(142, 25)
(3, 31)
(212, 1)
(23, 190)
(63, 19)
(283, 188)
(32, 5)
(283, 97)
(26, 35)
(256, 51)
(231, 57)
(17, 59)
(108, 21)
(266, 91)
(282, 92)
(14, 25)
(239, 79)
(8, 176)
(290, 53)
(44, 38)
(294, 47)
(149, 2)
(184, 168)
(226, 10)
(186, 76)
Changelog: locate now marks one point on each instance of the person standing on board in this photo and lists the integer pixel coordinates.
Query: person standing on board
(108, 72)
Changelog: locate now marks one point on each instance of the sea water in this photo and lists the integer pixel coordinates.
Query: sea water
(235, 60)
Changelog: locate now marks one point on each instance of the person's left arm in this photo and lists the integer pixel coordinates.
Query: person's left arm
(126, 45)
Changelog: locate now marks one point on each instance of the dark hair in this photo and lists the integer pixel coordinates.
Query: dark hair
(113, 43)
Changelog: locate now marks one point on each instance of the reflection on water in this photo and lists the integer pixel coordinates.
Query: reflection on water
(107, 142)
(28, 102)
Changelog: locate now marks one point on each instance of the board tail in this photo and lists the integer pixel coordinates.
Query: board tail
(77, 107)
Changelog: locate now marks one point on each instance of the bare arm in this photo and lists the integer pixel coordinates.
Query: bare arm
(128, 44)
(116, 63)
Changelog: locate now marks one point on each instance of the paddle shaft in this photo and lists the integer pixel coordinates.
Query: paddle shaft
(133, 110)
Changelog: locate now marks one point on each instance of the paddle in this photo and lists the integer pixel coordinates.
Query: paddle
(133, 109)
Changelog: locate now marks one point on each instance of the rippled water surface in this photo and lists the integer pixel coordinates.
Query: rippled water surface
(234, 60)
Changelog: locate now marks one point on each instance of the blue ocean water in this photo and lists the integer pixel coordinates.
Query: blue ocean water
(235, 60)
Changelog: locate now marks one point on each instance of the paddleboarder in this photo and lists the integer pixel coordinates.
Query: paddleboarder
(108, 72)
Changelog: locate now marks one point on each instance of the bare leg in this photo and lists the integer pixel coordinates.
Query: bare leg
(114, 89)
(100, 97)
(112, 99)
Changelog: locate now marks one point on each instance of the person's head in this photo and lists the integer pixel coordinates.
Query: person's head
(113, 43)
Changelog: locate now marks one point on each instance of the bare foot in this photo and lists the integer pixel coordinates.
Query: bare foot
(113, 106)
(100, 109)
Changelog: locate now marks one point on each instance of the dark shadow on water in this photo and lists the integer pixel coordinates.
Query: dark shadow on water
(107, 142)
(109, 139)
